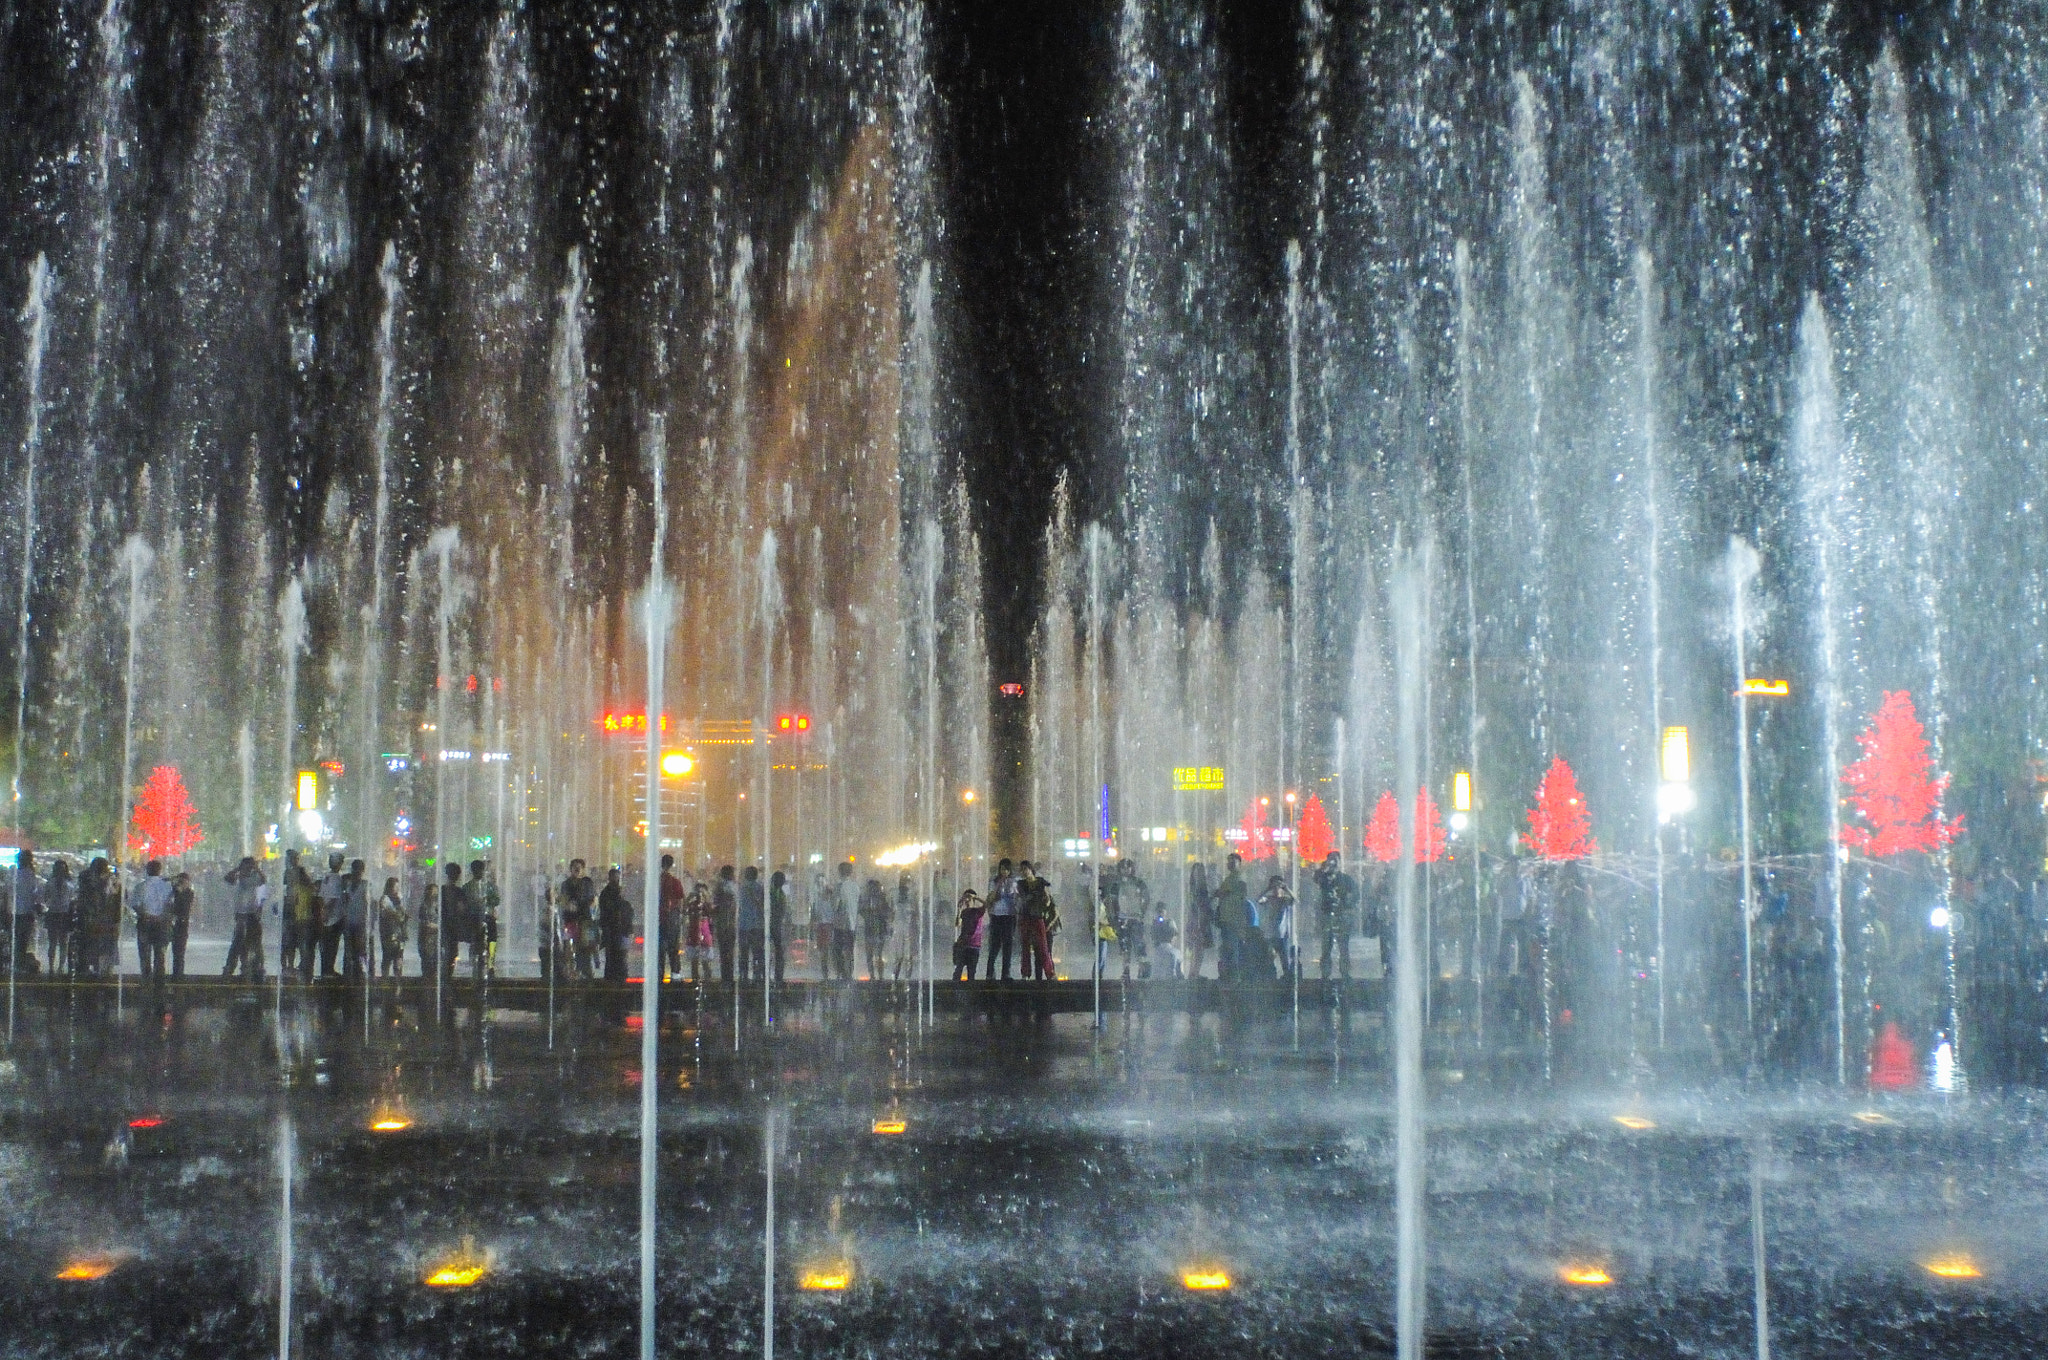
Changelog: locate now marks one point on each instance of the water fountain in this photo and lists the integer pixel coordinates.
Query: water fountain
(1336, 287)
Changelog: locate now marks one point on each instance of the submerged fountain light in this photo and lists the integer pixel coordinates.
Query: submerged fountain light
(1953, 1265)
(94, 1267)
(835, 1275)
(1872, 1117)
(390, 1119)
(1633, 1121)
(1585, 1276)
(891, 1124)
(464, 1267)
(148, 1121)
(1205, 1279)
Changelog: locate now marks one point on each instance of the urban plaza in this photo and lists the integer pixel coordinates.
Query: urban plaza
(1109, 678)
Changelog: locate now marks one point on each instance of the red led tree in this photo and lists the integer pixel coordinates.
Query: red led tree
(1559, 825)
(1383, 832)
(1257, 840)
(1894, 787)
(166, 823)
(1430, 839)
(1312, 838)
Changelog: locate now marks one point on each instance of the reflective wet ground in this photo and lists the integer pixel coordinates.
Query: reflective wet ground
(1008, 1186)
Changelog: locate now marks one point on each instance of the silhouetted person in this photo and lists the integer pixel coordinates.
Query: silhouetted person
(1336, 913)
(355, 921)
(392, 920)
(671, 920)
(454, 912)
(845, 911)
(753, 922)
(60, 917)
(969, 923)
(1035, 918)
(480, 908)
(725, 909)
(778, 921)
(874, 927)
(615, 920)
(22, 924)
(181, 921)
(245, 949)
(579, 918)
(333, 888)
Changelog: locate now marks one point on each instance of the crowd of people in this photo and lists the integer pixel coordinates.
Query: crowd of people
(720, 923)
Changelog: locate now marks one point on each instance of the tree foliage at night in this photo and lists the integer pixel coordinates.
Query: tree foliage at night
(1312, 836)
(1383, 832)
(1430, 839)
(1257, 841)
(1894, 788)
(166, 823)
(1560, 827)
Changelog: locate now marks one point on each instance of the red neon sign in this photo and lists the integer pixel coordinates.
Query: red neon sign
(630, 722)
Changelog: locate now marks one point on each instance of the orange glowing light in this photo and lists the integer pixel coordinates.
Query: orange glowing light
(1203, 1281)
(827, 1278)
(1633, 1121)
(1592, 1276)
(891, 1125)
(390, 1121)
(91, 1267)
(1954, 1266)
(1772, 689)
(462, 1269)
(148, 1121)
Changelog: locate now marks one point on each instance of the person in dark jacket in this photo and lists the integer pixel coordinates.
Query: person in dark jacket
(875, 917)
(1337, 913)
(778, 920)
(752, 922)
(671, 906)
(1035, 912)
(615, 920)
(181, 921)
(725, 909)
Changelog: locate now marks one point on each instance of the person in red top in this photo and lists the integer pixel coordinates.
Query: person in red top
(671, 920)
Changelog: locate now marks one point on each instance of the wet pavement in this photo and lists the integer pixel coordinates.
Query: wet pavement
(1008, 1186)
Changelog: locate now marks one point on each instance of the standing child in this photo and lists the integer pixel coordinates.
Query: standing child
(969, 924)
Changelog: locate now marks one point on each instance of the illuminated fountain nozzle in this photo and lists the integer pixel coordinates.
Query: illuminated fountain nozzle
(1205, 1279)
(1585, 1276)
(1954, 1265)
(466, 1266)
(95, 1267)
(827, 1277)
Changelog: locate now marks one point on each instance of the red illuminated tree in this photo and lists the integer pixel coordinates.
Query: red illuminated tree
(1894, 787)
(166, 823)
(1257, 841)
(1383, 832)
(1430, 839)
(1312, 838)
(1559, 825)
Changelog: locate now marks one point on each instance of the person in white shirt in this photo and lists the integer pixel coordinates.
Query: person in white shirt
(153, 920)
